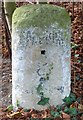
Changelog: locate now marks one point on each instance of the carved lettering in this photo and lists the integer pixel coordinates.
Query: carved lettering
(47, 37)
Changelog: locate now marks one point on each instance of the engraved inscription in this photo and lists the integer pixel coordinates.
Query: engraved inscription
(52, 37)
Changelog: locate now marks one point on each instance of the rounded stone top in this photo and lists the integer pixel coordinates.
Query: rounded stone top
(40, 15)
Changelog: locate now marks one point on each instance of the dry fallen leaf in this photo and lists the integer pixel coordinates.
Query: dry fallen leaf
(34, 116)
(65, 116)
(80, 107)
(75, 104)
(81, 117)
(1, 113)
(14, 115)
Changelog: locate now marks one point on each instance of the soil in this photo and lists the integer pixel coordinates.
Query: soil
(6, 82)
(6, 72)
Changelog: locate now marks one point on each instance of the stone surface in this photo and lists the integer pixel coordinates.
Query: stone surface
(40, 55)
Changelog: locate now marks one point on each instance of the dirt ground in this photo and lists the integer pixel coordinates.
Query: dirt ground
(6, 82)
(5, 69)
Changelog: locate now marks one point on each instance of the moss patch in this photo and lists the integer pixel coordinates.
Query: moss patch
(40, 16)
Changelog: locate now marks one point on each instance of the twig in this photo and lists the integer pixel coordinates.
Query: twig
(82, 19)
(76, 67)
(7, 32)
(73, 10)
(30, 2)
(82, 10)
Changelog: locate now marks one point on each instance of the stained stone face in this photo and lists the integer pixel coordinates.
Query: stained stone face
(40, 55)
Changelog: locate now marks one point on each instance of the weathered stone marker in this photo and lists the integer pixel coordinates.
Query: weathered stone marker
(41, 56)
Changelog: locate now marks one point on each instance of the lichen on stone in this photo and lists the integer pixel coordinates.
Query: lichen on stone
(40, 16)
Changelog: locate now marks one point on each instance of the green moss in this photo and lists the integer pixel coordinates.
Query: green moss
(40, 16)
(9, 7)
